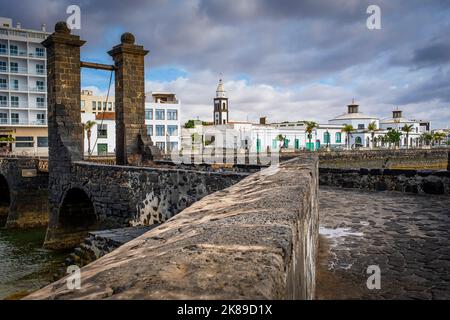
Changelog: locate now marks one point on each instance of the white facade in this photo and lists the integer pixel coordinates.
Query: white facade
(162, 118)
(23, 76)
(103, 135)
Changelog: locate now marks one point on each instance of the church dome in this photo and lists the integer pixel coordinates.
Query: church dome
(220, 92)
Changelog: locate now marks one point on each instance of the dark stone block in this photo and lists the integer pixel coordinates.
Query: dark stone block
(433, 187)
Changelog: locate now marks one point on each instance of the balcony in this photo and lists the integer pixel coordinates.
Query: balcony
(18, 53)
(39, 122)
(18, 70)
(38, 89)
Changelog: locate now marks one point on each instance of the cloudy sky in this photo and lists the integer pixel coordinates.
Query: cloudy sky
(284, 59)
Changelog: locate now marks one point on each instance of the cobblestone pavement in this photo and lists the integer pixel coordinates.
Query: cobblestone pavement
(406, 235)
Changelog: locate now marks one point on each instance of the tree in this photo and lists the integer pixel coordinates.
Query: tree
(372, 128)
(439, 136)
(393, 136)
(8, 140)
(281, 138)
(88, 127)
(310, 126)
(426, 138)
(189, 124)
(348, 129)
(407, 129)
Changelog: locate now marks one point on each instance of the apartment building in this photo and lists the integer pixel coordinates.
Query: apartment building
(162, 117)
(91, 103)
(23, 88)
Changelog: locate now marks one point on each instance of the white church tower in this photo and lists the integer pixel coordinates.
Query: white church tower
(220, 105)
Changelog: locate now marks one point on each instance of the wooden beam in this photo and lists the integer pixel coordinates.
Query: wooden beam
(100, 66)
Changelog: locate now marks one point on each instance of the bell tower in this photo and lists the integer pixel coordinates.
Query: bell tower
(220, 105)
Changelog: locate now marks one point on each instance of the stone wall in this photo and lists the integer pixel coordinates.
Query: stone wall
(415, 181)
(254, 240)
(27, 204)
(124, 196)
(431, 159)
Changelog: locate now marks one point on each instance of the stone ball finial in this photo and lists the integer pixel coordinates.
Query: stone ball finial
(61, 27)
(128, 38)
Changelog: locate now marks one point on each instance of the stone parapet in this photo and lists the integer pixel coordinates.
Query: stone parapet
(254, 240)
(414, 181)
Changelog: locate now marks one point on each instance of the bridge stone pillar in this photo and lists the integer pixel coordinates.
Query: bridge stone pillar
(65, 131)
(132, 143)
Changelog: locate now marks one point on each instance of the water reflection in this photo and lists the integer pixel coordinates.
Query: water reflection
(24, 265)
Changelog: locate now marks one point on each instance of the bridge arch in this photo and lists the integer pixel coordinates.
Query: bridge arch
(5, 199)
(77, 212)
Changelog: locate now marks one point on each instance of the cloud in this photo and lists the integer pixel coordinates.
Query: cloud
(299, 59)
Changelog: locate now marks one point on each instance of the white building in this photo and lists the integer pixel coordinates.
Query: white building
(103, 134)
(162, 118)
(23, 87)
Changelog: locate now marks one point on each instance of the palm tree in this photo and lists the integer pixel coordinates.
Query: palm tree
(407, 129)
(426, 138)
(348, 129)
(281, 139)
(310, 126)
(393, 136)
(438, 137)
(8, 140)
(372, 128)
(88, 127)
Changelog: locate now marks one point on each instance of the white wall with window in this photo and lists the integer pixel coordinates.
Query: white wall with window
(103, 135)
(162, 118)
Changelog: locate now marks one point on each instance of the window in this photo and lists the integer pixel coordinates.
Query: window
(173, 146)
(160, 131)
(40, 102)
(14, 101)
(3, 48)
(40, 85)
(274, 144)
(358, 141)
(172, 115)
(13, 50)
(83, 103)
(361, 126)
(159, 114)
(24, 142)
(3, 66)
(150, 130)
(40, 69)
(15, 84)
(338, 137)
(40, 118)
(172, 130)
(40, 52)
(326, 137)
(109, 106)
(3, 118)
(14, 67)
(104, 105)
(3, 101)
(149, 114)
(3, 84)
(161, 146)
(94, 105)
(42, 142)
(102, 131)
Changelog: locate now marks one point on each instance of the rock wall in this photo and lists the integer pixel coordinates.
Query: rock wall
(27, 205)
(124, 196)
(254, 240)
(431, 159)
(415, 181)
